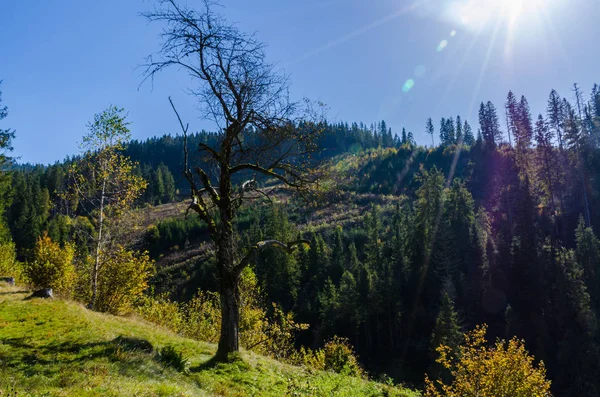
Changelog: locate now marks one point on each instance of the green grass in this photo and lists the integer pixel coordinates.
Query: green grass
(59, 348)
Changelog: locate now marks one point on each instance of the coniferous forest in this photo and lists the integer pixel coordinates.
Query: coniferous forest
(399, 247)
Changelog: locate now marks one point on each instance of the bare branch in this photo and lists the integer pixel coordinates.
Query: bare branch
(256, 248)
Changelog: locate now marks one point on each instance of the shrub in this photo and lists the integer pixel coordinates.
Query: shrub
(122, 279)
(9, 266)
(200, 318)
(313, 359)
(51, 266)
(502, 370)
(172, 357)
(339, 357)
(160, 311)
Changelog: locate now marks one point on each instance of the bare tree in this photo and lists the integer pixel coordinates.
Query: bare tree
(260, 132)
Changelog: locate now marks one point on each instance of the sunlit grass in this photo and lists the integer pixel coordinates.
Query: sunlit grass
(59, 348)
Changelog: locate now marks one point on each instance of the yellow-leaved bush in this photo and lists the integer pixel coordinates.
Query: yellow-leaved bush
(200, 318)
(9, 266)
(123, 277)
(505, 369)
(337, 356)
(51, 266)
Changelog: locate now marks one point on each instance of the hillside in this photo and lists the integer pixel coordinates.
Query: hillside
(58, 348)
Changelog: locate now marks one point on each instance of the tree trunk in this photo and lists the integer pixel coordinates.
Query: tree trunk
(98, 248)
(229, 276)
(230, 315)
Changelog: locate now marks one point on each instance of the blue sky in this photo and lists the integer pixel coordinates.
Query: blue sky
(64, 60)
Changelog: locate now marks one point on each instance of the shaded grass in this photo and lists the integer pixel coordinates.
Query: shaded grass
(59, 348)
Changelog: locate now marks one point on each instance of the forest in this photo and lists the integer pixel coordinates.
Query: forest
(343, 246)
(411, 246)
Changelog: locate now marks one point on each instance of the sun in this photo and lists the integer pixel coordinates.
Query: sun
(512, 7)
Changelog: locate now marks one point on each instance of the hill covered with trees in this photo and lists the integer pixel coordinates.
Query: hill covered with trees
(409, 245)
(468, 267)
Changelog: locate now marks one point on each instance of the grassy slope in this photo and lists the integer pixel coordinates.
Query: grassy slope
(58, 348)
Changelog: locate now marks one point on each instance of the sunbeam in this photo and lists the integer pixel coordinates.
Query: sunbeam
(362, 30)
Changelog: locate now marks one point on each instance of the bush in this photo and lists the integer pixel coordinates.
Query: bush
(123, 277)
(337, 356)
(172, 357)
(200, 318)
(9, 266)
(313, 359)
(51, 266)
(504, 369)
(160, 311)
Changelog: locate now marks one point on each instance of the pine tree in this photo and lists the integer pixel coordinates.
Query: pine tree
(512, 116)
(447, 332)
(588, 255)
(523, 133)
(411, 139)
(443, 132)
(459, 131)
(451, 133)
(489, 125)
(338, 256)
(554, 112)
(572, 128)
(430, 130)
(546, 161)
(469, 138)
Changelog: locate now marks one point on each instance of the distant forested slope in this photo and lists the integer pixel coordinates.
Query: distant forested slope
(410, 245)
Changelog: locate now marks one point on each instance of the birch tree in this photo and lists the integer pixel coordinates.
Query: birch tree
(105, 187)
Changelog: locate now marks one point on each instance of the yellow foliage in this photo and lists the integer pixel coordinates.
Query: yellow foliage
(200, 318)
(337, 356)
(503, 370)
(124, 276)
(9, 266)
(51, 266)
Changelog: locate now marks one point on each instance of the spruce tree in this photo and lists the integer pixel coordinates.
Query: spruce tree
(447, 332)
(512, 115)
(338, 257)
(443, 132)
(469, 138)
(554, 112)
(430, 130)
(459, 131)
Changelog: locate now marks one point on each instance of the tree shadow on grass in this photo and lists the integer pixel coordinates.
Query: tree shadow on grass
(233, 360)
(53, 355)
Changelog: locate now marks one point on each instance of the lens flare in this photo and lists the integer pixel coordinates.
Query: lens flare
(443, 44)
(408, 85)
